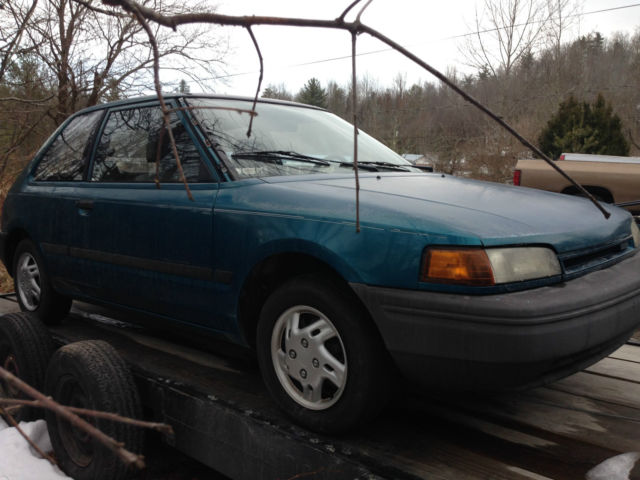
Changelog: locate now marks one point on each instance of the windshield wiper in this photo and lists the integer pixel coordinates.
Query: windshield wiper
(278, 155)
(377, 166)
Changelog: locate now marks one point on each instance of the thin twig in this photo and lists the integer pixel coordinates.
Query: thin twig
(24, 100)
(15, 425)
(255, 100)
(160, 427)
(347, 10)
(163, 105)
(476, 103)
(362, 10)
(129, 458)
(354, 106)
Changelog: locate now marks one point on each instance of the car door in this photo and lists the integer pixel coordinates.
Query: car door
(51, 197)
(148, 244)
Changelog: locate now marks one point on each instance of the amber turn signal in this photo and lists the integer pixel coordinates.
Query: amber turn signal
(466, 266)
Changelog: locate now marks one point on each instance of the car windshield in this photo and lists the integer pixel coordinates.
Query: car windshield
(288, 140)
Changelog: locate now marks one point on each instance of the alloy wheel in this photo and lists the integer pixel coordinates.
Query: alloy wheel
(28, 281)
(309, 357)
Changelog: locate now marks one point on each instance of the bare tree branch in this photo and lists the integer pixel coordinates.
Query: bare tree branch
(354, 106)
(125, 455)
(341, 18)
(255, 100)
(173, 21)
(362, 10)
(100, 10)
(486, 110)
(355, 28)
(163, 105)
(15, 425)
(159, 427)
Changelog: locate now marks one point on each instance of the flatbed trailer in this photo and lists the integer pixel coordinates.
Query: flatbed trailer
(223, 417)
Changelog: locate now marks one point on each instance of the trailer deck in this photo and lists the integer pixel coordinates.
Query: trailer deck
(223, 417)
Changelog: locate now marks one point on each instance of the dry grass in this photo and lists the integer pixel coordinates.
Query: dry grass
(6, 282)
(12, 171)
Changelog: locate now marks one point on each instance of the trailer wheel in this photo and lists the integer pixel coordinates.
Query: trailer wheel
(25, 349)
(91, 374)
(33, 287)
(320, 357)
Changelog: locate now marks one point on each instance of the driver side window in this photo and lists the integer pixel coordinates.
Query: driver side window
(135, 147)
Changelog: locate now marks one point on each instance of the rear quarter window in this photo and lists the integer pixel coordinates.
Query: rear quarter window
(66, 158)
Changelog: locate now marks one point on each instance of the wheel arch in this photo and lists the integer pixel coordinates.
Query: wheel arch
(13, 239)
(271, 272)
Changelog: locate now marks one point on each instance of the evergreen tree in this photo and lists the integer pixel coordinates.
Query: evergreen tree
(277, 91)
(183, 87)
(580, 127)
(313, 94)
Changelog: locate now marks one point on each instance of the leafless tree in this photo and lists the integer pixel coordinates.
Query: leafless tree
(506, 31)
(86, 56)
(564, 15)
(58, 56)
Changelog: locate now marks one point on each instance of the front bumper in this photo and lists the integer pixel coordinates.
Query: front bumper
(526, 338)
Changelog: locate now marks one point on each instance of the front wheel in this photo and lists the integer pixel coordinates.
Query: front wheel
(321, 357)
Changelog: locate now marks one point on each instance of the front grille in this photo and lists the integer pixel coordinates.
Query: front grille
(578, 263)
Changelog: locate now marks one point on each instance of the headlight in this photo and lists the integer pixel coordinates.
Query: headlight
(523, 263)
(486, 267)
(635, 233)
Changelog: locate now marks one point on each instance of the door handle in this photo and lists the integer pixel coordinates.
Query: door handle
(84, 204)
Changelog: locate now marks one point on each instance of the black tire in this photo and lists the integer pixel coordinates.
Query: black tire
(342, 402)
(25, 350)
(91, 374)
(49, 306)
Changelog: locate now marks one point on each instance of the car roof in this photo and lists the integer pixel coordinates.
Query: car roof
(170, 96)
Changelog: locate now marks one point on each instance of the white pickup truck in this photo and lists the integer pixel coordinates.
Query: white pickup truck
(609, 178)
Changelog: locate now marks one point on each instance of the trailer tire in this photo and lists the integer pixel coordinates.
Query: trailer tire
(91, 374)
(25, 350)
(330, 378)
(33, 286)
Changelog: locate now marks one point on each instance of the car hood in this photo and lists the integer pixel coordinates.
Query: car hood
(453, 210)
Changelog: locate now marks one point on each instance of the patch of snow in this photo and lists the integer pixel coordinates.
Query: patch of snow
(19, 461)
(614, 468)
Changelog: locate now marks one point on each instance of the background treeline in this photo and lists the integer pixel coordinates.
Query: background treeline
(425, 119)
(431, 120)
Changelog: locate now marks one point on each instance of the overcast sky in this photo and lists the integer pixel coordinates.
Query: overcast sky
(426, 27)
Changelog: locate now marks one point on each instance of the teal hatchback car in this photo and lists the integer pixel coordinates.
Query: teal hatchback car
(457, 284)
